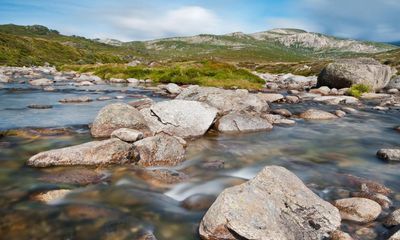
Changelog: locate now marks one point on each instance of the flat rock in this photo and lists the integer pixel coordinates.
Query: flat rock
(115, 116)
(389, 154)
(41, 82)
(314, 114)
(242, 122)
(160, 150)
(274, 205)
(127, 135)
(39, 106)
(180, 118)
(271, 97)
(225, 101)
(82, 99)
(360, 210)
(347, 72)
(112, 151)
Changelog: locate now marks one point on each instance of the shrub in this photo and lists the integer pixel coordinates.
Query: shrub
(358, 89)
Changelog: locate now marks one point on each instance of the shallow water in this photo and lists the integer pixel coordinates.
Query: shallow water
(123, 205)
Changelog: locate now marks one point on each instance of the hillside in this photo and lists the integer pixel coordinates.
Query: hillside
(35, 45)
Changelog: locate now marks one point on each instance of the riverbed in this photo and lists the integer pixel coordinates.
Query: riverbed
(123, 204)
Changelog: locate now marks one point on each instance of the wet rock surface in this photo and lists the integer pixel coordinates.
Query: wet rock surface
(113, 151)
(360, 210)
(273, 205)
(242, 122)
(315, 114)
(389, 154)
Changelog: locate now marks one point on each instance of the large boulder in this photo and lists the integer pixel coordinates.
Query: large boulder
(112, 151)
(160, 150)
(242, 122)
(225, 100)
(345, 73)
(116, 116)
(274, 205)
(180, 118)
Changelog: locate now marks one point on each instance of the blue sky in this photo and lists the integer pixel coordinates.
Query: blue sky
(141, 20)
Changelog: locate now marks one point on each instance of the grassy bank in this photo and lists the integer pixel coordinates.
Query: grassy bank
(206, 73)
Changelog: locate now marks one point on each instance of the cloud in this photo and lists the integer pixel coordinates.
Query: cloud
(186, 20)
(363, 19)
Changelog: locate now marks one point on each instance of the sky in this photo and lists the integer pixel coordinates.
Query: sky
(128, 20)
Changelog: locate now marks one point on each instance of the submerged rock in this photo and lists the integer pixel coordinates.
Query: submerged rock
(274, 205)
(127, 135)
(377, 197)
(389, 154)
(339, 235)
(242, 122)
(198, 202)
(347, 72)
(115, 116)
(112, 151)
(40, 106)
(360, 210)
(225, 100)
(160, 150)
(283, 112)
(74, 176)
(180, 118)
(50, 196)
(314, 114)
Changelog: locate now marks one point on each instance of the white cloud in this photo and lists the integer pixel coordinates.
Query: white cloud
(187, 20)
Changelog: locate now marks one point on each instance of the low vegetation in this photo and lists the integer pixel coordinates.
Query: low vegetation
(357, 90)
(205, 73)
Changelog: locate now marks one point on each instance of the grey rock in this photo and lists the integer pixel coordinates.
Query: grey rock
(40, 106)
(117, 80)
(389, 154)
(383, 200)
(340, 113)
(356, 209)
(393, 91)
(292, 99)
(372, 96)
(127, 135)
(88, 77)
(225, 101)
(41, 82)
(180, 118)
(172, 88)
(335, 100)
(314, 114)
(339, 235)
(274, 205)
(116, 116)
(395, 236)
(242, 122)
(394, 83)
(4, 78)
(82, 99)
(282, 112)
(278, 120)
(142, 103)
(113, 151)
(347, 72)
(271, 97)
(159, 150)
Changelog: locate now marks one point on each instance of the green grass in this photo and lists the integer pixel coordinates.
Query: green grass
(357, 90)
(205, 73)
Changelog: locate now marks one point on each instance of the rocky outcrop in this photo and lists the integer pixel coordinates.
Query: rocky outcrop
(345, 73)
(389, 154)
(127, 135)
(160, 150)
(225, 101)
(274, 205)
(242, 122)
(314, 114)
(360, 210)
(113, 151)
(115, 116)
(180, 118)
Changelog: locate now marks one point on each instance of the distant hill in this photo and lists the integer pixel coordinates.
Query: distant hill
(395, 43)
(34, 45)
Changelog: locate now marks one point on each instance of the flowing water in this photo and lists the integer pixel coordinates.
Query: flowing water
(123, 204)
